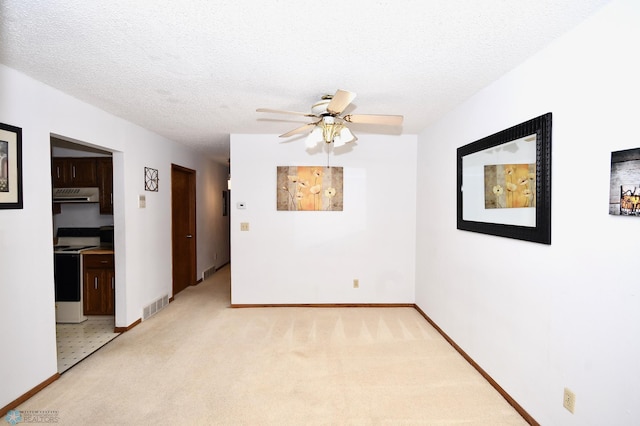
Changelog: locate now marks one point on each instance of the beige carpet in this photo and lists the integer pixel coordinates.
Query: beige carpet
(199, 362)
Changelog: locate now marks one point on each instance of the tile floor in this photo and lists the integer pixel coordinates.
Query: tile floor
(78, 341)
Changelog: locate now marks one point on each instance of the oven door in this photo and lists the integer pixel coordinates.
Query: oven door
(67, 277)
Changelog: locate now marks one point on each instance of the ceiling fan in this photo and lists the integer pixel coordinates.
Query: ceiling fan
(329, 125)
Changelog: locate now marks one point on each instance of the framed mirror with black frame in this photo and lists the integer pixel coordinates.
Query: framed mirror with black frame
(504, 182)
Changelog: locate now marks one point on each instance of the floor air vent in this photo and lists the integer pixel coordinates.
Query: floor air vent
(154, 307)
(208, 272)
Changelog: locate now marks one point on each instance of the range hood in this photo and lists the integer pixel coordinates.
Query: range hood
(76, 195)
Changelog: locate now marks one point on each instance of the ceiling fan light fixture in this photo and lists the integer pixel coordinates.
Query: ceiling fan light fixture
(330, 126)
(330, 129)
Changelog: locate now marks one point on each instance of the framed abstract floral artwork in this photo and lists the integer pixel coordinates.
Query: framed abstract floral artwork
(504, 183)
(309, 188)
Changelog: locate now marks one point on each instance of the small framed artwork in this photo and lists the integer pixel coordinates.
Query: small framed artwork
(150, 179)
(504, 183)
(624, 192)
(10, 167)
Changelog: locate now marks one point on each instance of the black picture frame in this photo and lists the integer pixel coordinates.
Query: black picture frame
(10, 167)
(472, 217)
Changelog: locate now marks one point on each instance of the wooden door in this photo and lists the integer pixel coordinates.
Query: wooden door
(183, 227)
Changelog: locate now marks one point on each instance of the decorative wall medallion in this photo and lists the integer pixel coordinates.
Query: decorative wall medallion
(150, 179)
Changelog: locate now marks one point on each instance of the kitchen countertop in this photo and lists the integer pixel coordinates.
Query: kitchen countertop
(98, 251)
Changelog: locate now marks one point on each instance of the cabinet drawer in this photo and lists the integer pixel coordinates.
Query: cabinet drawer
(102, 261)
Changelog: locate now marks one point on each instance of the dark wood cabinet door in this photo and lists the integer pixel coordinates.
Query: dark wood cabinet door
(93, 290)
(109, 298)
(59, 172)
(99, 284)
(105, 183)
(68, 172)
(83, 172)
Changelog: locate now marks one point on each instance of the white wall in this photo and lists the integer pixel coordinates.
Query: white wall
(142, 238)
(80, 215)
(313, 257)
(540, 318)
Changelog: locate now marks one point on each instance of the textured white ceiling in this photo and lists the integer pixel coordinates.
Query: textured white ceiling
(195, 71)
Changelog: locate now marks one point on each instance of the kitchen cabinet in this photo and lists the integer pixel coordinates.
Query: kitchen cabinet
(82, 172)
(59, 172)
(99, 284)
(70, 172)
(105, 183)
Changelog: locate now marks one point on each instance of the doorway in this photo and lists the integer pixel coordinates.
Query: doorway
(183, 227)
(76, 164)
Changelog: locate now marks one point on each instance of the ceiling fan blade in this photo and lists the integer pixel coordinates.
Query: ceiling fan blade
(299, 130)
(388, 120)
(340, 101)
(279, 111)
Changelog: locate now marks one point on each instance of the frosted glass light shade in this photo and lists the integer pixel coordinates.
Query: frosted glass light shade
(329, 132)
(345, 136)
(314, 138)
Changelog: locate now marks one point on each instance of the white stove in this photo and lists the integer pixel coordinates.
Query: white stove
(68, 271)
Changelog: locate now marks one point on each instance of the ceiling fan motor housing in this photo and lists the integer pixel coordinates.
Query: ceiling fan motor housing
(320, 108)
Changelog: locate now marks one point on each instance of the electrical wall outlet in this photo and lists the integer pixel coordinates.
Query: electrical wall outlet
(244, 226)
(569, 401)
(356, 283)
